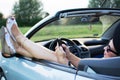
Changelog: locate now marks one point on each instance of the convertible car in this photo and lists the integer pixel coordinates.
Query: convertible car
(85, 31)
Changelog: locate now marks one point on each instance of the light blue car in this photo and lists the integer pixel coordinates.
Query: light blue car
(91, 44)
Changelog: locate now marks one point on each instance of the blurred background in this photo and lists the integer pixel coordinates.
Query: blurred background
(29, 12)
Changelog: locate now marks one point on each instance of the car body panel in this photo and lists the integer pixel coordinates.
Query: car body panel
(22, 68)
(25, 69)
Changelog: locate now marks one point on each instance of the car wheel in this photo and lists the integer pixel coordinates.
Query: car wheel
(2, 76)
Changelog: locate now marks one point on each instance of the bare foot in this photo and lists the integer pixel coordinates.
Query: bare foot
(18, 34)
(61, 55)
(15, 31)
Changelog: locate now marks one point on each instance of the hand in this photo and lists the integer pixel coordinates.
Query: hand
(74, 60)
(61, 55)
(66, 50)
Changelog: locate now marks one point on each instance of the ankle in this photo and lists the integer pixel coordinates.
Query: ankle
(21, 40)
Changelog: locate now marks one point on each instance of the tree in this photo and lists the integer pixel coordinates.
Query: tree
(27, 12)
(95, 3)
(2, 20)
(107, 3)
(116, 3)
(106, 20)
(1, 15)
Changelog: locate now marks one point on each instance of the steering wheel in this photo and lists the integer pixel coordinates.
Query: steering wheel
(79, 51)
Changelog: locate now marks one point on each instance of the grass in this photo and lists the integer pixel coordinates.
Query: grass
(24, 29)
(67, 31)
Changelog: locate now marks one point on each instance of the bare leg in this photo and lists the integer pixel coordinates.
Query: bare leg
(22, 51)
(31, 48)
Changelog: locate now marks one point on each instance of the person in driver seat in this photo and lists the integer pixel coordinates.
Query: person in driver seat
(106, 65)
(14, 42)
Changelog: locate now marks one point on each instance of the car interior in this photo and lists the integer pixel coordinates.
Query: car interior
(90, 49)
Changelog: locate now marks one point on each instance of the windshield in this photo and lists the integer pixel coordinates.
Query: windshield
(76, 27)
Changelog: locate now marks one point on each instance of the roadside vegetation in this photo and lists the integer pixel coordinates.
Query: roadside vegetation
(67, 32)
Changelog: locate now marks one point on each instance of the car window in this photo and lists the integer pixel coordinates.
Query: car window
(76, 27)
(107, 21)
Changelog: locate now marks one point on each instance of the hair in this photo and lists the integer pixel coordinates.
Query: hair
(116, 40)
